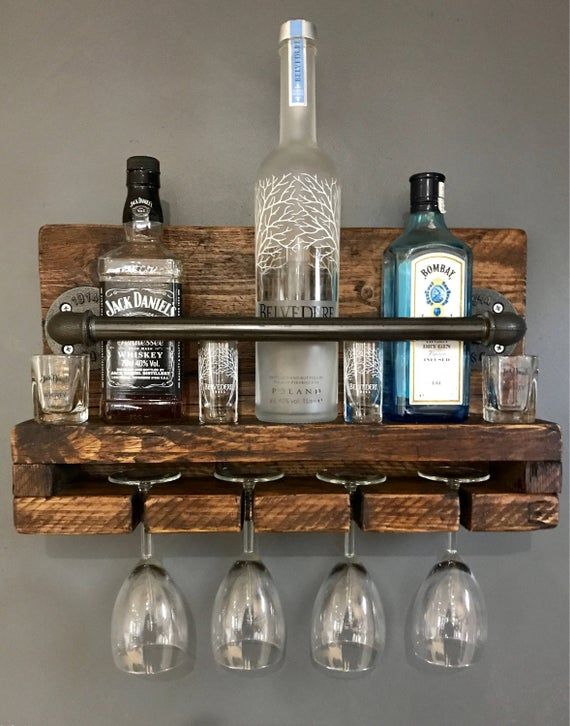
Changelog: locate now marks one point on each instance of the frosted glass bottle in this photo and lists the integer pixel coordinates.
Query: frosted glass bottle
(297, 230)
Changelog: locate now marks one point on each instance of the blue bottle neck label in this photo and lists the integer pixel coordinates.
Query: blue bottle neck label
(297, 72)
(436, 366)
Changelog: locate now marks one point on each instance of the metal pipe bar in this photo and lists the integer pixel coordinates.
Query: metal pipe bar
(69, 328)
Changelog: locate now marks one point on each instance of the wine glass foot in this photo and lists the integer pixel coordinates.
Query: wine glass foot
(143, 478)
(351, 479)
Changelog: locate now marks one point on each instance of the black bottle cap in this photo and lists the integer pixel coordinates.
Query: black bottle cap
(143, 171)
(427, 192)
(147, 163)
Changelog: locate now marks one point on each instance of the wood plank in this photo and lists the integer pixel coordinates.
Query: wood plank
(530, 476)
(409, 505)
(301, 505)
(89, 510)
(100, 443)
(68, 253)
(490, 508)
(40, 480)
(194, 505)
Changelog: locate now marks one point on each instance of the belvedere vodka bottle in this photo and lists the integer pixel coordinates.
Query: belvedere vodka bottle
(297, 228)
(427, 273)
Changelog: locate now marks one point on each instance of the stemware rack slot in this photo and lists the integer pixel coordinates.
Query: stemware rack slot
(59, 477)
(59, 472)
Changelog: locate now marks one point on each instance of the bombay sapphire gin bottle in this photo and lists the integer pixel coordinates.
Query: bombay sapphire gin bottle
(297, 228)
(427, 273)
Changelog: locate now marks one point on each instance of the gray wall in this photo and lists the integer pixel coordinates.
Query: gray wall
(477, 89)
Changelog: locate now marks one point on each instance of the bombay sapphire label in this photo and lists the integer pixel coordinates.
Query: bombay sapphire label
(297, 71)
(142, 365)
(436, 366)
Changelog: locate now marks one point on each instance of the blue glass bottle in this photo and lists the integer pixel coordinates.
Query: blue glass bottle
(427, 273)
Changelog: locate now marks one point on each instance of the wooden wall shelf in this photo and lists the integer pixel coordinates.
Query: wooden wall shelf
(59, 472)
(59, 485)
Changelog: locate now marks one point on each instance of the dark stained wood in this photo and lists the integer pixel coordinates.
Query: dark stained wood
(530, 476)
(409, 505)
(215, 255)
(193, 505)
(301, 506)
(90, 509)
(40, 480)
(99, 443)
(55, 492)
(490, 508)
(292, 505)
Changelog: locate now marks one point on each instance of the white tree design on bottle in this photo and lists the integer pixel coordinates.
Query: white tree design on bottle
(365, 357)
(297, 212)
(217, 362)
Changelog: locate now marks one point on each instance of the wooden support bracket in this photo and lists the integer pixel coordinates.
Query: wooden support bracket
(86, 509)
(193, 505)
(489, 508)
(409, 505)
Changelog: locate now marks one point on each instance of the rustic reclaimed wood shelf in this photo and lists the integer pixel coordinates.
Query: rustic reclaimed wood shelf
(59, 484)
(59, 472)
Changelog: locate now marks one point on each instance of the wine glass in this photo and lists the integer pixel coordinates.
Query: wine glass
(149, 626)
(449, 617)
(348, 629)
(248, 627)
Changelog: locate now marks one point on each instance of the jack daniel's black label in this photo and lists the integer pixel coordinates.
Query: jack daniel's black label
(141, 366)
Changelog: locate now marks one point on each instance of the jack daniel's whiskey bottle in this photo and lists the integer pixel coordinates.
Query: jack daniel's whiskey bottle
(141, 379)
(427, 273)
(297, 228)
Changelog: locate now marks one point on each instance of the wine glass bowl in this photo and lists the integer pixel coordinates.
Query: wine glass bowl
(449, 621)
(149, 626)
(248, 625)
(348, 626)
(448, 625)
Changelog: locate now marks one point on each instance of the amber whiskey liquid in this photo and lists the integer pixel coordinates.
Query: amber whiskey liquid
(141, 379)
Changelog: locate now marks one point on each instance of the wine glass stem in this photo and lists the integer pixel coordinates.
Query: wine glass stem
(350, 536)
(350, 539)
(248, 527)
(452, 536)
(146, 540)
(146, 543)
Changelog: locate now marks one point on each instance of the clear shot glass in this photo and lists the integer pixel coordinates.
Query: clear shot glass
(218, 381)
(363, 382)
(60, 388)
(509, 388)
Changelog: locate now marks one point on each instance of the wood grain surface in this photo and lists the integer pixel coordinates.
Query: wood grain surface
(92, 508)
(100, 443)
(301, 505)
(53, 485)
(194, 505)
(490, 508)
(219, 278)
(409, 505)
